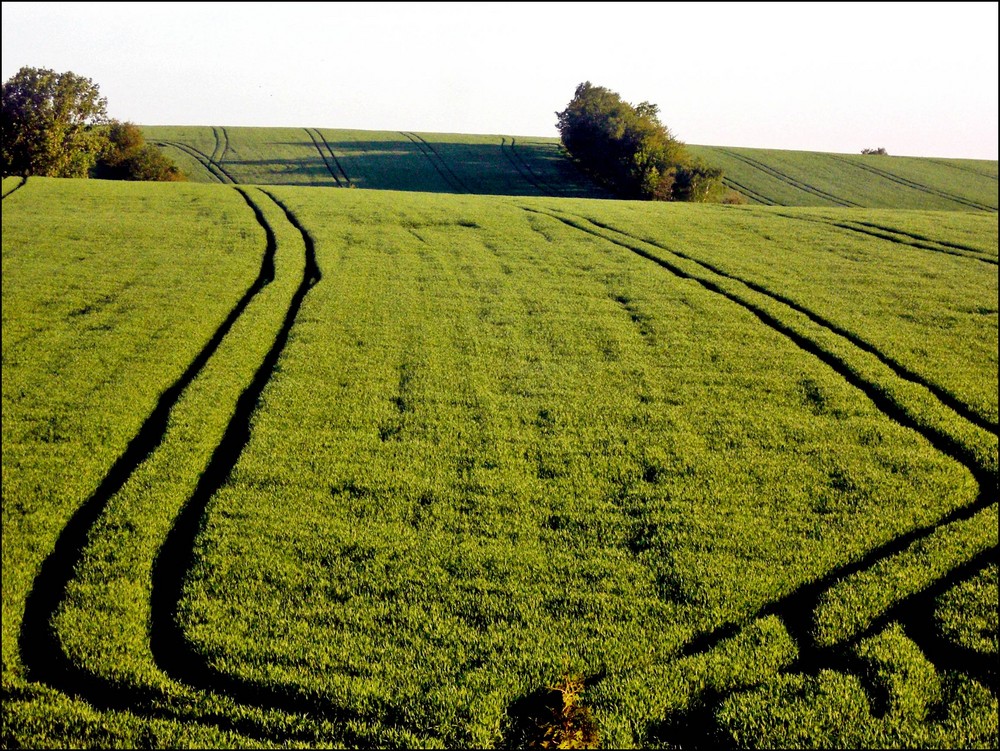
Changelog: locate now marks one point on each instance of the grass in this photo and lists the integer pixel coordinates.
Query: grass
(538, 166)
(457, 452)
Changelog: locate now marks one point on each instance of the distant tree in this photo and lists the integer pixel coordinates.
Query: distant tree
(881, 151)
(50, 124)
(628, 149)
(127, 156)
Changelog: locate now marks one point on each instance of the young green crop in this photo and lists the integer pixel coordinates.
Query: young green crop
(384, 160)
(502, 442)
(805, 178)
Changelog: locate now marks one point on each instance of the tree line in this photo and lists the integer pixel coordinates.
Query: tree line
(57, 125)
(628, 149)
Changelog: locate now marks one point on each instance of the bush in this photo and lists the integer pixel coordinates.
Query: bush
(127, 156)
(629, 150)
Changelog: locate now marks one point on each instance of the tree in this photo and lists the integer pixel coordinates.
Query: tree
(127, 156)
(880, 151)
(628, 149)
(50, 124)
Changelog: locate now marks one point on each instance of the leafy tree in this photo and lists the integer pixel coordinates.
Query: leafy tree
(880, 151)
(50, 124)
(127, 156)
(628, 149)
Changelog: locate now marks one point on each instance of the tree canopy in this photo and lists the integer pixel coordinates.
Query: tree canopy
(628, 149)
(49, 124)
(56, 125)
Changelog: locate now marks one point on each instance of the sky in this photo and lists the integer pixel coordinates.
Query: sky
(918, 79)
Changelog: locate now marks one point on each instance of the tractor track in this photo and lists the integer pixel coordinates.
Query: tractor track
(796, 608)
(898, 368)
(172, 651)
(329, 167)
(319, 140)
(961, 168)
(333, 155)
(749, 192)
(893, 236)
(897, 237)
(523, 168)
(214, 169)
(39, 644)
(24, 181)
(447, 174)
(789, 180)
(906, 182)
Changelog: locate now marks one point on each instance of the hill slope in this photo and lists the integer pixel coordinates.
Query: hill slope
(296, 467)
(535, 166)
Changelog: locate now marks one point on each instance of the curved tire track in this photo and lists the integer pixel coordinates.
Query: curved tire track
(905, 182)
(788, 179)
(172, 652)
(446, 173)
(329, 167)
(748, 192)
(893, 236)
(796, 609)
(214, 169)
(523, 168)
(899, 369)
(24, 181)
(333, 156)
(39, 644)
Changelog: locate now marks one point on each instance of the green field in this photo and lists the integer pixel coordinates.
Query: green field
(287, 466)
(535, 166)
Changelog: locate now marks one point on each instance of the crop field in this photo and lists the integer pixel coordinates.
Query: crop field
(385, 160)
(799, 178)
(508, 165)
(287, 466)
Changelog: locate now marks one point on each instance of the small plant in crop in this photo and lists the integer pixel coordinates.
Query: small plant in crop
(571, 724)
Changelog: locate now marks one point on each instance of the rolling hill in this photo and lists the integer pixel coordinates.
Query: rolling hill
(508, 165)
(438, 457)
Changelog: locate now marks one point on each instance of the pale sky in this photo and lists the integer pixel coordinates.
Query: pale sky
(919, 79)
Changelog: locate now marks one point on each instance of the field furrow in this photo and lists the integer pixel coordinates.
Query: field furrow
(729, 470)
(316, 138)
(946, 398)
(918, 186)
(442, 168)
(333, 156)
(785, 177)
(10, 184)
(210, 166)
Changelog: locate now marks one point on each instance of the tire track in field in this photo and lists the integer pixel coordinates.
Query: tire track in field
(439, 164)
(329, 167)
(524, 168)
(214, 169)
(797, 609)
(40, 648)
(913, 241)
(333, 156)
(924, 238)
(788, 179)
(217, 149)
(906, 182)
(946, 398)
(24, 181)
(899, 238)
(748, 192)
(225, 147)
(172, 652)
(963, 169)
